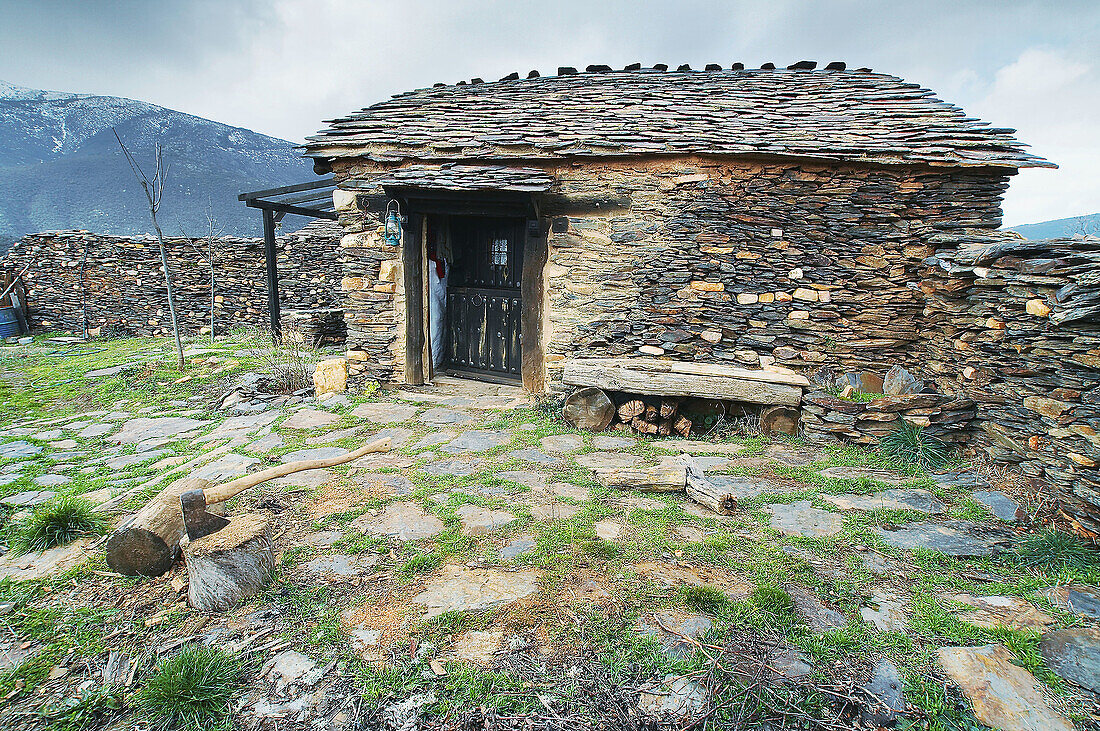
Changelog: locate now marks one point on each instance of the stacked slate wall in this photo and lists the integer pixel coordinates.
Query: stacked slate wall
(123, 287)
(1014, 325)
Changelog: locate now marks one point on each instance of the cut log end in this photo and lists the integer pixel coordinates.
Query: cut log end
(135, 551)
(588, 408)
(227, 568)
(779, 420)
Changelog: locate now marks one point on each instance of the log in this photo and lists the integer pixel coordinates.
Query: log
(669, 378)
(665, 478)
(669, 407)
(588, 408)
(705, 492)
(682, 425)
(147, 544)
(230, 566)
(779, 420)
(631, 408)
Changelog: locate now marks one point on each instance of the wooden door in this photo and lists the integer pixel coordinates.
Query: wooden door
(483, 296)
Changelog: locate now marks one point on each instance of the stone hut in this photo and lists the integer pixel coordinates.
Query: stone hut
(748, 217)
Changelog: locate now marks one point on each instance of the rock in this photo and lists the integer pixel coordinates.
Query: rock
(569, 490)
(793, 456)
(51, 480)
(954, 537)
(813, 611)
(899, 382)
(167, 427)
(309, 479)
(608, 461)
(694, 447)
(322, 539)
(640, 502)
(605, 442)
(517, 547)
(28, 499)
(682, 624)
(788, 663)
(384, 412)
(802, 519)
(310, 419)
(886, 612)
(42, 564)
(887, 690)
(225, 467)
(1074, 655)
(478, 440)
(96, 430)
(385, 482)
(1004, 611)
(866, 473)
(13, 651)
(676, 574)
(446, 417)
(676, 700)
(476, 647)
(315, 453)
(608, 530)
(129, 460)
(18, 450)
(862, 381)
(535, 456)
(1002, 506)
(959, 479)
(562, 443)
(477, 521)
(331, 376)
(548, 511)
(289, 667)
(6, 478)
(920, 501)
(452, 467)
(1081, 599)
(533, 480)
(462, 589)
(341, 564)
(403, 521)
(1004, 695)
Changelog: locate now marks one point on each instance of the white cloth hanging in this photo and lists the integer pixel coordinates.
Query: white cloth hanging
(437, 294)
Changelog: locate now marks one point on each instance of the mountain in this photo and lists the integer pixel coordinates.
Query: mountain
(61, 167)
(1089, 224)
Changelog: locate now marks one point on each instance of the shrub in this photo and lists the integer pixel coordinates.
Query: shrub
(912, 446)
(191, 690)
(1052, 550)
(59, 522)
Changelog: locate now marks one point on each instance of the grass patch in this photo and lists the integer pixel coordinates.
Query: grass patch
(191, 690)
(1053, 551)
(59, 522)
(912, 445)
(771, 599)
(421, 564)
(91, 709)
(704, 598)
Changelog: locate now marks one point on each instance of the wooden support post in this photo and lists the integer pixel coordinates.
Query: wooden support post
(412, 249)
(271, 258)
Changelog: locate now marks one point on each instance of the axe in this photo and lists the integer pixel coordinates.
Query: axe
(201, 522)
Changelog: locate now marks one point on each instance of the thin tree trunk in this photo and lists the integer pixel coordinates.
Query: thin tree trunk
(180, 363)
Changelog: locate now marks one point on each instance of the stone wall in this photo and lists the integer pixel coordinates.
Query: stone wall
(829, 420)
(695, 259)
(1014, 325)
(124, 288)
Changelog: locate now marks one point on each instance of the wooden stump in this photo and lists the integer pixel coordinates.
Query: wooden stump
(588, 408)
(779, 420)
(230, 566)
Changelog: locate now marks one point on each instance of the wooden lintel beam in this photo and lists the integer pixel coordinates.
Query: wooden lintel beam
(312, 185)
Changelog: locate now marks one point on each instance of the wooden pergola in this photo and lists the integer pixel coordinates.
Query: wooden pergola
(312, 200)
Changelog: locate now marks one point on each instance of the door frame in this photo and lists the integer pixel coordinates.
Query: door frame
(418, 203)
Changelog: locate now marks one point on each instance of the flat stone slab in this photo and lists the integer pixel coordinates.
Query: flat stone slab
(7, 478)
(535, 456)
(477, 440)
(166, 427)
(342, 564)
(688, 533)
(562, 443)
(1002, 506)
(129, 460)
(887, 686)
(817, 616)
(452, 467)
(866, 473)
(568, 490)
(1004, 695)
(920, 501)
(446, 417)
(336, 435)
(315, 453)
(959, 479)
(462, 589)
(672, 702)
(548, 511)
(42, 564)
(266, 444)
(1004, 611)
(403, 521)
(96, 430)
(954, 537)
(18, 450)
(112, 370)
(793, 456)
(743, 488)
(1080, 599)
(13, 652)
(475, 647)
(47, 436)
(608, 530)
(225, 467)
(384, 413)
(1074, 655)
(695, 446)
(308, 479)
(605, 442)
(517, 547)
(609, 460)
(310, 419)
(674, 574)
(671, 628)
(640, 502)
(533, 480)
(886, 612)
(322, 538)
(51, 480)
(434, 439)
(478, 521)
(398, 435)
(28, 499)
(802, 519)
(385, 482)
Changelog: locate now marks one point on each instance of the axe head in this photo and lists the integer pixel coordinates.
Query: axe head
(196, 519)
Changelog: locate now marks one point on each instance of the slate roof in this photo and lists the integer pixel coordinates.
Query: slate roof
(452, 176)
(826, 114)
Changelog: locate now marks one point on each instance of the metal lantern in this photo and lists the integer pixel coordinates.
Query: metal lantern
(393, 223)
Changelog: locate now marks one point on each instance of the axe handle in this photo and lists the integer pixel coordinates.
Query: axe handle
(224, 491)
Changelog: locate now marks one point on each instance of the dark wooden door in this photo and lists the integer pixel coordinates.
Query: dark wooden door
(483, 296)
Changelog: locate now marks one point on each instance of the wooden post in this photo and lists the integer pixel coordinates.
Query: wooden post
(270, 257)
(412, 248)
(532, 300)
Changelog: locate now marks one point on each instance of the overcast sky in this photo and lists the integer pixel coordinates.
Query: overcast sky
(282, 66)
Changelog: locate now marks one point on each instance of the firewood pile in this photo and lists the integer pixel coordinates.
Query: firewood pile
(655, 415)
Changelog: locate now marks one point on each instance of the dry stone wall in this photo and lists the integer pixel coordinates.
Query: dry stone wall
(123, 287)
(1014, 325)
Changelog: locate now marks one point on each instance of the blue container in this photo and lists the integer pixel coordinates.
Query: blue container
(9, 323)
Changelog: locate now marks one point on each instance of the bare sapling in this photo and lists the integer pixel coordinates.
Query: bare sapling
(154, 190)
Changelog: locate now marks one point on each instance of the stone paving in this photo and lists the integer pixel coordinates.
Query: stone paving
(455, 471)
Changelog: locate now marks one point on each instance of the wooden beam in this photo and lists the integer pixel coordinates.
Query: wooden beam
(413, 269)
(270, 257)
(297, 188)
(296, 210)
(671, 378)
